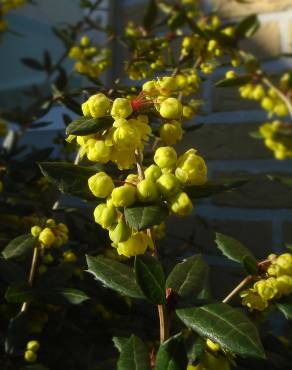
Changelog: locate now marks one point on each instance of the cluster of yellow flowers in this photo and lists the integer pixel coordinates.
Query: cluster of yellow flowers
(269, 99)
(212, 359)
(5, 7)
(32, 347)
(51, 234)
(276, 284)
(90, 61)
(278, 138)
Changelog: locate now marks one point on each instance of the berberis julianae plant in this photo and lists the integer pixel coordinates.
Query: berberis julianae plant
(89, 282)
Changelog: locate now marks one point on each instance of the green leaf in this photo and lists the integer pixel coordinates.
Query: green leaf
(150, 277)
(188, 277)
(236, 251)
(195, 346)
(247, 26)
(85, 126)
(281, 179)
(150, 15)
(235, 81)
(11, 273)
(256, 135)
(19, 247)
(172, 354)
(286, 309)
(143, 217)
(18, 295)
(214, 187)
(68, 177)
(68, 295)
(114, 275)
(250, 265)
(134, 355)
(33, 64)
(227, 326)
(119, 342)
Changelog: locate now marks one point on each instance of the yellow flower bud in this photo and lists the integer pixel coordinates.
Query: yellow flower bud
(33, 345)
(47, 237)
(105, 216)
(30, 356)
(253, 300)
(69, 257)
(125, 136)
(171, 108)
(147, 191)
(212, 346)
(267, 289)
(191, 169)
(98, 105)
(84, 41)
(35, 231)
(136, 244)
(153, 172)
(124, 196)
(85, 109)
(165, 157)
(284, 283)
(120, 232)
(121, 108)
(181, 204)
(101, 185)
(168, 185)
(171, 132)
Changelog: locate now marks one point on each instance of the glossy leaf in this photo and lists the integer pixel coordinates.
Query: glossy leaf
(134, 355)
(172, 354)
(188, 277)
(150, 277)
(114, 275)
(151, 14)
(18, 295)
(236, 251)
(33, 64)
(225, 325)
(213, 187)
(286, 309)
(247, 26)
(19, 247)
(68, 177)
(143, 217)
(85, 126)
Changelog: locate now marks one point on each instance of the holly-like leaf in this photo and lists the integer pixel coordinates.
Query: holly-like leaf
(68, 177)
(63, 296)
(19, 247)
(172, 354)
(188, 277)
(18, 295)
(247, 26)
(85, 126)
(114, 275)
(236, 251)
(134, 355)
(214, 187)
(150, 277)
(285, 308)
(151, 14)
(33, 64)
(145, 216)
(224, 325)
(235, 81)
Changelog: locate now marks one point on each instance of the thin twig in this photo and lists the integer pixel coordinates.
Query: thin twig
(238, 288)
(34, 264)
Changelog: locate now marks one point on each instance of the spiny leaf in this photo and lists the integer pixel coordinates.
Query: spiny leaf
(142, 217)
(19, 247)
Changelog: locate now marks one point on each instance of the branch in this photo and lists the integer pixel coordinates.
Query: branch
(238, 288)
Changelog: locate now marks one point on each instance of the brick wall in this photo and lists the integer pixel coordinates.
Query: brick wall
(259, 213)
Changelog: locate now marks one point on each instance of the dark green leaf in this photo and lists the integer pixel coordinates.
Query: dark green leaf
(236, 251)
(19, 247)
(172, 354)
(143, 217)
(32, 63)
(62, 296)
(247, 26)
(114, 275)
(17, 334)
(286, 309)
(235, 81)
(213, 187)
(85, 126)
(281, 179)
(150, 15)
(47, 61)
(150, 277)
(134, 355)
(68, 177)
(11, 272)
(250, 265)
(188, 277)
(195, 346)
(224, 325)
(119, 342)
(18, 295)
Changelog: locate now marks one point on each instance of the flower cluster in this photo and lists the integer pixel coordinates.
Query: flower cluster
(51, 234)
(276, 284)
(164, 182)
(5, 7)
(32, 347)
(90, 61)
(278, 138)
